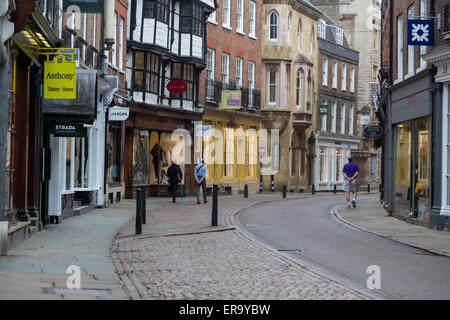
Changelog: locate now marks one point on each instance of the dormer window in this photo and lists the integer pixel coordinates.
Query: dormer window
(157, 9)
(321, 29)
(191, 19)
(340, 35)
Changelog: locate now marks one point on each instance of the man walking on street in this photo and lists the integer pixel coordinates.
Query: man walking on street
(175, 176)
(350, 172)
(200, 180)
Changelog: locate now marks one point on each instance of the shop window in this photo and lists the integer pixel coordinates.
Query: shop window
(140, 157)
(229, 152)
(69, 174)
(81, 160)
(113, 147)
(323, 164)
(403, 169)
(332, 160)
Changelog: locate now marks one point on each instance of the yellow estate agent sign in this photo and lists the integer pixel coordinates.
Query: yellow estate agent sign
(60, 79)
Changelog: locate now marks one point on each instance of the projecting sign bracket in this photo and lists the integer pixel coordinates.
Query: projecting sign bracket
(57, 51)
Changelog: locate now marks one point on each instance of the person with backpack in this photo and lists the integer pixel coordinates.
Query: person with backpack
(175, 176)
(200, 180)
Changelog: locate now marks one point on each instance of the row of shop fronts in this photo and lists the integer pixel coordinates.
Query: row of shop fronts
(415, 157)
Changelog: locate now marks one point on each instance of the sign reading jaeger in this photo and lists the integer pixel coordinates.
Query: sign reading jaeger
(118, 113)
(60, 79)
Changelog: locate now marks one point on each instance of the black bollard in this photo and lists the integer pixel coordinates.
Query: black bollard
(214, 205)
(273, 183)
(246, 191)
(313, 189)
(143, 206)
(334, 189)
(284, 191)
(368, 188)
(139, 211)
(260, 184)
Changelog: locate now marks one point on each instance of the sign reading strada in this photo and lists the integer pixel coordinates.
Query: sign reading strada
(60, 79)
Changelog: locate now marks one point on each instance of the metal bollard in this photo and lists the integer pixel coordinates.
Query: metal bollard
(284, 191)
(214, 205)
(260, 184)
(139, 211)
(273, 183)
(368, 188)
(313, 189)
(144, 205)
(334, 189)
(246, 191)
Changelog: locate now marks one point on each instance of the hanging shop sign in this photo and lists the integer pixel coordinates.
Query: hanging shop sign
(85, 6)
(118, 113)
(67, 130)
(60, 79)
(323, 109)
(231, 99)
(420, 32)
(373, 132)
(176, 86)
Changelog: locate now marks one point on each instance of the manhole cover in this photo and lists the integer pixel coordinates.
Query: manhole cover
(101, 293)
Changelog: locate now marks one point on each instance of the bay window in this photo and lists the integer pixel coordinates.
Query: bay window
(146, 72)
(157, 9)
(272, 86)
(273, 26)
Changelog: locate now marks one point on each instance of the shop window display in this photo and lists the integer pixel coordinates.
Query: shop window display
(113, 148)
(403, 169)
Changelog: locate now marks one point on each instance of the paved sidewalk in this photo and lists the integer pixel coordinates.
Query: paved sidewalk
(161, 265)
(370, 216)
(37, 268)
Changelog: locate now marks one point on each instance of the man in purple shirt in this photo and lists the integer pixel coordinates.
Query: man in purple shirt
(350, 172)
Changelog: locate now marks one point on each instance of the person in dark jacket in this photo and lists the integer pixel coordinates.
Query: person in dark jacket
(175, 177)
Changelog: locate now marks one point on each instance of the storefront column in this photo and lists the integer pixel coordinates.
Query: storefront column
(437, 172)
(20, 176)
(32, 204)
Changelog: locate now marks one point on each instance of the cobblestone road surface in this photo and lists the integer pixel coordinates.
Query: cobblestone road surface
(215, 265)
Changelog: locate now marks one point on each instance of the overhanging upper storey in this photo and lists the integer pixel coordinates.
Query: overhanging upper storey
(172, 28)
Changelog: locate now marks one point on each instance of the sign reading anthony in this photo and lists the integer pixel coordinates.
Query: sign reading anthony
(373, 132)
(86, 6)
(60, 79)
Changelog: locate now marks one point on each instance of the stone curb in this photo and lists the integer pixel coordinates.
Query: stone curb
(340, 218)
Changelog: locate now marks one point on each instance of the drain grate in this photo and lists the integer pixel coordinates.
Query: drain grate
(101, 293)
(290, 250)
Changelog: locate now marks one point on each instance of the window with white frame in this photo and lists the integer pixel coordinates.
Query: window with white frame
(239, 72)
(226, 13)
(298, 91)
(334, 75)
(240, 16)
(324, 118)
(273, 26)
(321, 29)
(210, 57)
(251, 81)
(114, 50)
(400, 47)
(272, 85)
(289, 28)
(340, 35)
(351, 112)
(352, 79)
(121, 30)
(299, 34)
(343, 109)
(252, 19)
(225, 68)
(325, 72)
(423, 49)
(411, 48)
(344, 77)
(333, 116)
